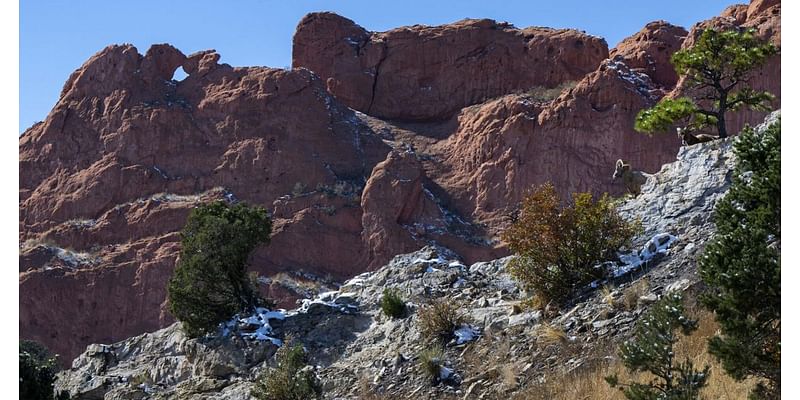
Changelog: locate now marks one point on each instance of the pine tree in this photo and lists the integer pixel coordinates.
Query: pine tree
(211, 283)
(742, 264)
(716, 70)
(37, 372)
(651, 350)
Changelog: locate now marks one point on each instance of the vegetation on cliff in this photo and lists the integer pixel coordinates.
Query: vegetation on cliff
(716, 69)
(560, 247)
(742, 264)
(37, 372)
(211, 283)
(652, 350)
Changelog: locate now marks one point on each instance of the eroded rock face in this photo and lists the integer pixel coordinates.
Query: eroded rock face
(108, 179)
(504, 147)
(650, 49)
(421, 72)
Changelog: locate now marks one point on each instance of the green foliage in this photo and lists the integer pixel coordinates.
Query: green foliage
(291, 379)
(37, 372)
(742, 265)
(392, 305)
(430, 361)
(651, 350)
(439, 321)
(716, 70)
(559, 247)
(211, 283)
(664, 114)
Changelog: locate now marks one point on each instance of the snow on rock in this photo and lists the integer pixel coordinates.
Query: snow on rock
(342, 302)
(631, 261)
(445, 373)
(466, 333)
(640, 81)
(658, 244)
(255, 326)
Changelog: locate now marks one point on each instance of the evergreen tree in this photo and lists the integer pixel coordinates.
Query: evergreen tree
(210, 283)
(37, 372)
(651, 350)
(742, 264)
(716, 70)
(291, 379)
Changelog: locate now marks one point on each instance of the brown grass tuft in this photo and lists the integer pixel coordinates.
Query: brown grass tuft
(548, 334)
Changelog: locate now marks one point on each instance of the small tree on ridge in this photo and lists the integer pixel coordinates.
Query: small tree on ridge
(717, 71)
(211, 283)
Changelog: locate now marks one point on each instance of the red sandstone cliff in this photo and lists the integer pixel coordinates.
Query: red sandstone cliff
(422, 73)
(106, 181)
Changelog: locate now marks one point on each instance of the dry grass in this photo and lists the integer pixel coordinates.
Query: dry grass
(545, 94)
(535, 303)
(548, 334)
(607, 294)
(430, 362)
(589, 383)
(631, 295)
(509, 374)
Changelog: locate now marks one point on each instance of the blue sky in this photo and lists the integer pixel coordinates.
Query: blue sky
(57, 36)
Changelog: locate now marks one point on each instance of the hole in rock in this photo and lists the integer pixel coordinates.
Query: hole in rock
(179, 74)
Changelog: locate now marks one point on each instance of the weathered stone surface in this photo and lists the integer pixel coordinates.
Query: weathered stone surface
(357, 350)
(650, 49)
(108, 178)
(421, 72)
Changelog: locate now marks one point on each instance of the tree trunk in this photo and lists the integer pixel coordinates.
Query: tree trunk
(723, 108)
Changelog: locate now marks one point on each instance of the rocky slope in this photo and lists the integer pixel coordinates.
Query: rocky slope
(358, 351)
(106, 181)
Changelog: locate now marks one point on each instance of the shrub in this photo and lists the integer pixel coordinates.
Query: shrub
(291, 379)
(392, 305)
(430, 361)
(652, 350)
(545, 94)
(742, 265)
(210, 283)
(37, 372)
(559, 247)
(439, 321)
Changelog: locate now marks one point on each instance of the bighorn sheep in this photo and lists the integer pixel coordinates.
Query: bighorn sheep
(633, 180)
(688, 138)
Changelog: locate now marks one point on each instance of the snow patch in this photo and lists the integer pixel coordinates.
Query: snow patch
(631, 261)
(466, 333)
(255, 326)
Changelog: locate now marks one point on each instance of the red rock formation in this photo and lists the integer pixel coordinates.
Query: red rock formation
(114, 170)
(422, 73)
(650, 49)
(107, 180)
(505, 146)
